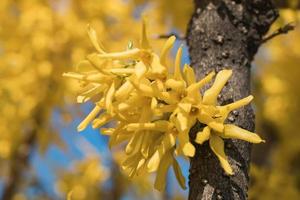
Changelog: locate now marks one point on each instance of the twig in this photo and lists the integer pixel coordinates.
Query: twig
(282, 30)
(286, 4)
(179, 37)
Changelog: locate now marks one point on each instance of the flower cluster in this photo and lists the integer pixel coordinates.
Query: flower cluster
(151, 106)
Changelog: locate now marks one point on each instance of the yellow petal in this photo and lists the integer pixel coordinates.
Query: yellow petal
(188, 149)
(203, 135)
(235, 132)
(74, 75)
(157, 69)
(140, 70)
(122, 71)
(114, 141)
(167, 97)
(148, 140)
(186, 107)
(166, 108)
(140, 164)
(175, 84)
(225, 110)
(98, 63)
(123, 106)
(145, 89)
(144, 40)
(143, 85)
(177, 70)
(146, 114)
(130, 161)
(107, 131)
(167, 143)
(89, 118)
(87, 95)
(210, 95)
(101, 120)
(124, 91)
(167, 46)
(195, 87)
(208, 120)
(154, 162)
(93, 37)
(159, 85)
(94, 78)
(179, 176)
(153, 103)
(109, 98)
(160, 125)
(210, 110)
(189, 74)
(134, 143)
(217, 146)
(193, 91)
(70, 194)
(239, 103)
(182, 120)
(160, 180)
(119, 130)
(184, 144)
(129, 54)
(84, 66)
(98, 78)
(132, 172)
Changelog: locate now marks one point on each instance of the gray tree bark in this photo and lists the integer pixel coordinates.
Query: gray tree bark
(226, 34)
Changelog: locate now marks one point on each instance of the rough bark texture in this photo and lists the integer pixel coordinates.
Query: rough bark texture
(226, 34)
(287, 4)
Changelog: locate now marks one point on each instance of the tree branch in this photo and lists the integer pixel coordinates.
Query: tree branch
(282, 30)
(166, 36)
(285, 4)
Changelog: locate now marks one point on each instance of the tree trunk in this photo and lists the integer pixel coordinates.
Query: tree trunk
(226, 34)
(20, 160)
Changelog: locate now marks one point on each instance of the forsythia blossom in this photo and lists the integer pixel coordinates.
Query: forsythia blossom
(152, 107)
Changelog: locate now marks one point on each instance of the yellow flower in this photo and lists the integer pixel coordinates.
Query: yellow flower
(153, 105)
(214, 116)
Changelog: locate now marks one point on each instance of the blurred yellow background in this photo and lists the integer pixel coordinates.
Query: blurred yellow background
(42, 156)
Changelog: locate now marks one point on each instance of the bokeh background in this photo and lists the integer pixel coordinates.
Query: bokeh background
(41, 154)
